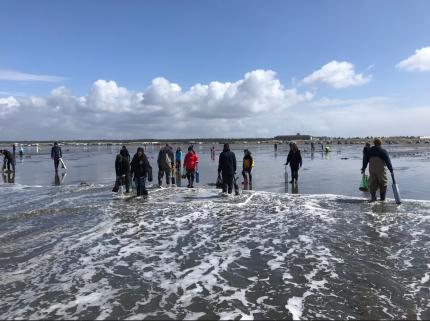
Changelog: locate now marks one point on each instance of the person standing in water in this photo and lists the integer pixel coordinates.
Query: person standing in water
(56, 154)
(294, 158)
(122, 171)
(377, 158)
(178, 156)
(190, 164)
(213, 152)
(8, 160)
(165, 163)
(227, 167)
(140, 168)
(247, 165)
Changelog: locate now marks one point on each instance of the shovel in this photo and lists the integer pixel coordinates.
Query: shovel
(396, 190)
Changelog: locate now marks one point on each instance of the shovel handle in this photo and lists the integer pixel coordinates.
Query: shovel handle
(392, 176)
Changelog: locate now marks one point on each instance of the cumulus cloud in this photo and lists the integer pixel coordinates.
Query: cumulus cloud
(161, 110)
(337, 75)
(420, 61)
(7, 105)
(13, 75)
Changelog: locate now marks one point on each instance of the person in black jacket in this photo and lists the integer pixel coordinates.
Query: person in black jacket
(294, 158)
(8, 160)
(377, 158)
(122, 169)
(56, 154)
(140, 168)
(227, 166)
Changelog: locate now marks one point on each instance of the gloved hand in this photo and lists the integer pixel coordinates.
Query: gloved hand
(362, 171)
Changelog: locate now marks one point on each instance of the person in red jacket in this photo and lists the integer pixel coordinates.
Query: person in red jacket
(190, 164)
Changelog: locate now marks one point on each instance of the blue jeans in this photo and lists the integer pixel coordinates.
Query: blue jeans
(140, 185)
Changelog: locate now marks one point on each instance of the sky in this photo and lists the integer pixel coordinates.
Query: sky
(190, 68)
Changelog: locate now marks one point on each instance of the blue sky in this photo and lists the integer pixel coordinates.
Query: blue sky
(191, 42)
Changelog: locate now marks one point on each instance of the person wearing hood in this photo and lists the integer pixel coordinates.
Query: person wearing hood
(377, 158)
(140, 168)
(227, 167)
(190, 164)
(8, 160)
(166, 162)
(248, 164)
(294, 158)
(122, 170)
(125, 152)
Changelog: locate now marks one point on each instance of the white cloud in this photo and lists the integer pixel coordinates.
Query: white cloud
(8, 105)
(13, 75)
(420, 61)
(162, 110)
(337, 75)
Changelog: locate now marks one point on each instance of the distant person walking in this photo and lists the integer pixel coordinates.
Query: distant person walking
(140, 168)
(56, 154)
(377, 158)
(178, 156)
(165, 163)
(8, 160)
(275, 147)
(312, 147)
(227, 167)
(294, 158)
(366, 149)
(190, 164)
(14, 150)
(213, 152)
(247, 165)
(122, 171)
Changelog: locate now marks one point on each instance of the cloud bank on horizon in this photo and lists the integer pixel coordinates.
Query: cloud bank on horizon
(258, 105)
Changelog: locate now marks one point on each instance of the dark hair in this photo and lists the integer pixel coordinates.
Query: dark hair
(190, 148)
(377, 142)
(55, 143)
(140, 149)
(226, 147)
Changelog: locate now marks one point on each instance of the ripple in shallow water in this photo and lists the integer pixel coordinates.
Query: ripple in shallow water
(76, 253)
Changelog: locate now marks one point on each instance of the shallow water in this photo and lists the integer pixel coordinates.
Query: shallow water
(74, 251)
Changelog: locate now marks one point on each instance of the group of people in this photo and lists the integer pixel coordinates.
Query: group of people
(169, 164)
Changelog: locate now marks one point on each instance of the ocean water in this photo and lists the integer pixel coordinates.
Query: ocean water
(75, 251)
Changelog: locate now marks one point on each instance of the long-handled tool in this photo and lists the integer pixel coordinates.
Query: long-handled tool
(396, 190)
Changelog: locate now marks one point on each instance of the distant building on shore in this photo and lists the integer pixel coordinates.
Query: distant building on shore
(288, 138)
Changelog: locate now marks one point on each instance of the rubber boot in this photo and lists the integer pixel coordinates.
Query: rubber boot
(382, 193)
(373, 197)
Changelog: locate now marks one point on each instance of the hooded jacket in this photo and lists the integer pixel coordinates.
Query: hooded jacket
(294, 159)
(7, 154)
(56, 152)
(227, 162)
(375, 154)
(140, 165)
(190, 161)
(162, 156)
(122, 165)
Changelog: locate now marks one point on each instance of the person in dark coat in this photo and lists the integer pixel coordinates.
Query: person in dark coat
(166, 162)
(227, 167)
(8, 160)
(377, 158)
(56, 154)
(140, 168)
(125, 152)
(294, 158)
(122, 170)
